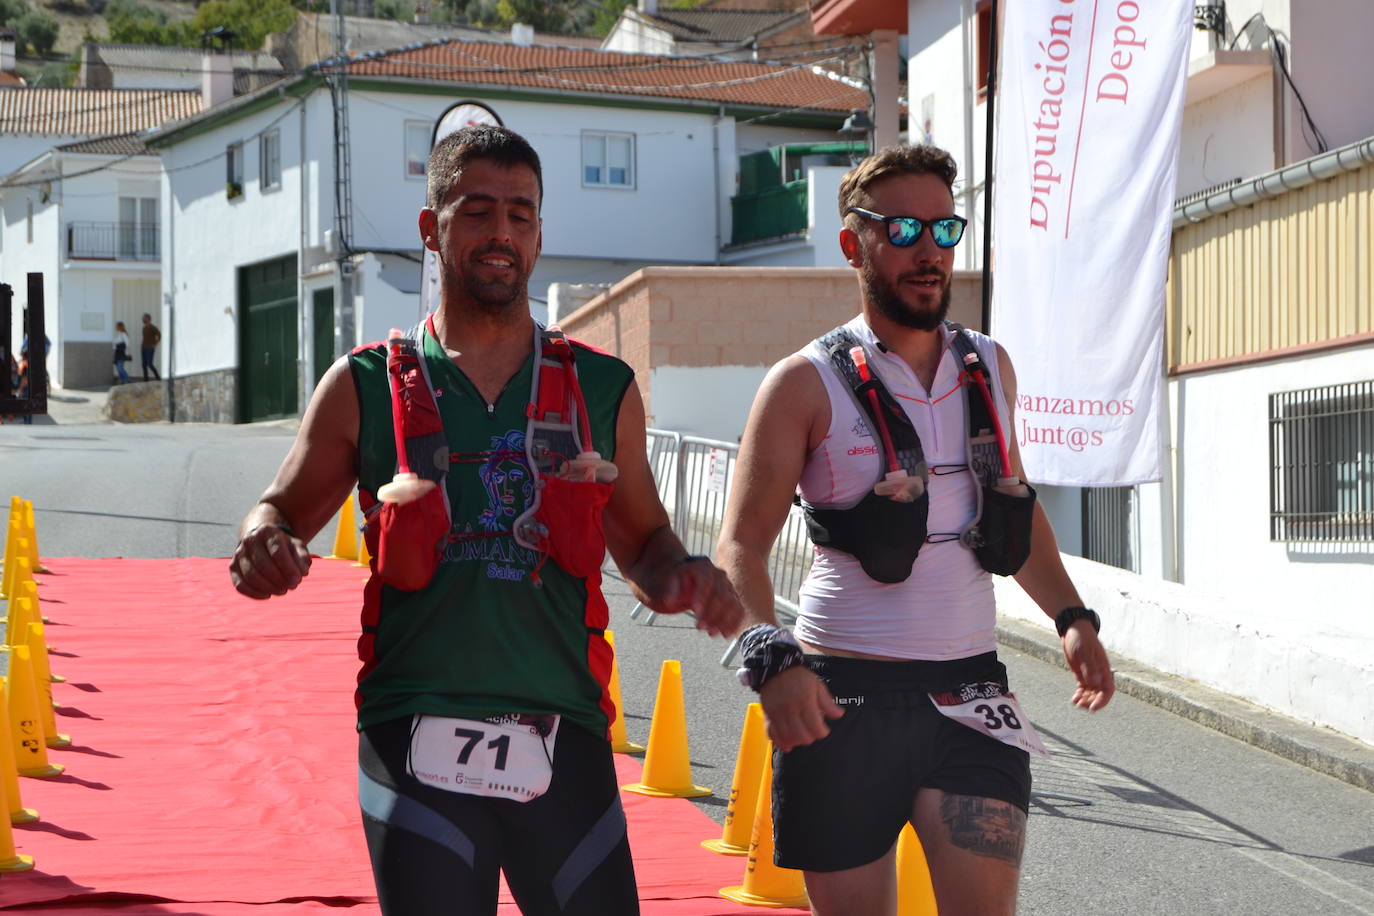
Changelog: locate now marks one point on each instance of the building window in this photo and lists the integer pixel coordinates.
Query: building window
(270, 160)
(417, 148)
(1321, 461)
(233, 170)
(137, 229)
(608, 159)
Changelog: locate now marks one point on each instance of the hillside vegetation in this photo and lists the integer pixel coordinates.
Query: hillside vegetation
(50, 32)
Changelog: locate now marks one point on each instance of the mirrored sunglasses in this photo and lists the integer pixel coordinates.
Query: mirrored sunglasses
(903, 231)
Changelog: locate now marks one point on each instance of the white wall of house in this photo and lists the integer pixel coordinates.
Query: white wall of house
(208, 236)
(633, 35)
(1222, 427)
(20, 149)
(1227, 135)
(19, 257)
(659, 218)
(1330, 60)
(708, 401)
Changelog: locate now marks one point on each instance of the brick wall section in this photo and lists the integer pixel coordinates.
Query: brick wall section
(727, 316)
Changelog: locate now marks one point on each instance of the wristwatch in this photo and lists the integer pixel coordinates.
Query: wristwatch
(1065, 619)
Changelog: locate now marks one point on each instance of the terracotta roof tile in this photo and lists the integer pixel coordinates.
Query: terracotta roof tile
(118, 145)
(9, 79)
(93, 112)
(614, 73)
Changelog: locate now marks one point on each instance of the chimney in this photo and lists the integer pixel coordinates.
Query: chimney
(521, 34)
(216, 78)
(7, 50)
(648, 7)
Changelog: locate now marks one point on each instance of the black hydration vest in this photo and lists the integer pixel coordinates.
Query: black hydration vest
(884, 535)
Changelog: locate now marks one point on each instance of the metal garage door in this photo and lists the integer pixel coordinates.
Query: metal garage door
(269, 354)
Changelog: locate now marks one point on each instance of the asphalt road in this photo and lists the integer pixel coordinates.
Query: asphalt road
(1138, 811)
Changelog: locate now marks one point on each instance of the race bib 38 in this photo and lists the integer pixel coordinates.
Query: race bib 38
(987, 708)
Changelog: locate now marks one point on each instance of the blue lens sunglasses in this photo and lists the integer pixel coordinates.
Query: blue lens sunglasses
(903, 231)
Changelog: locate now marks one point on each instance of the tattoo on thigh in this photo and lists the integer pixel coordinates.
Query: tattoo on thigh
(985, 826)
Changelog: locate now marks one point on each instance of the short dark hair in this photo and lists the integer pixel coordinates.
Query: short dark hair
(894, 160)
(481, 141)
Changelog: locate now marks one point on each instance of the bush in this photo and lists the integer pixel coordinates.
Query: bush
(38, 30)
(399, 10)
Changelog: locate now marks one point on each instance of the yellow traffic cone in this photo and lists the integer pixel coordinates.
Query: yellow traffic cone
(31, 531)
(30, 744)
(42, 678)
(346, 535)
(9, 775)
(12, 536)
(620, 741)
(915, 894)
(767, 884)
(744, 788)
(9, 860)
(364, 556)
(667, 766)
(17, 620)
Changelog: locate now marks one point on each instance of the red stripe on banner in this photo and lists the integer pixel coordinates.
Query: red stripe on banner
(1082, 114)
(214, 757)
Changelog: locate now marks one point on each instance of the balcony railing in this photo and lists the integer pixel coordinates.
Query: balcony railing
(112, 241)
(769, 213)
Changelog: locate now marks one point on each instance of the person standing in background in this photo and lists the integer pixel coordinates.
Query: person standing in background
(151, 338)
(121, 352)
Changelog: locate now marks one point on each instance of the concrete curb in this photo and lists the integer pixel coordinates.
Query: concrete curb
(1320, 749)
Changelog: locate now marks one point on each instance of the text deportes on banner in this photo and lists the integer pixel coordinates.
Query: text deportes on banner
(1088, 116)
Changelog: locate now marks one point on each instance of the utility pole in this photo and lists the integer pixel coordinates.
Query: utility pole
(337, 76)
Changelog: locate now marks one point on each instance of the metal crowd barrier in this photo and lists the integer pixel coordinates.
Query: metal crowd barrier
(693, 477)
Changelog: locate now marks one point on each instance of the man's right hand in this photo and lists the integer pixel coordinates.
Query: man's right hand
(268, 562)
(796, 707)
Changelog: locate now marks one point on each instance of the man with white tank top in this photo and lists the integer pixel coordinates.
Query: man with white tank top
(887, 703)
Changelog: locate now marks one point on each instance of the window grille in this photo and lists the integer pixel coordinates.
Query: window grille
(1109, 526)
(1321, 460)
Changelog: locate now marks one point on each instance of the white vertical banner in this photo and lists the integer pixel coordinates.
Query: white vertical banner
(1088, 111)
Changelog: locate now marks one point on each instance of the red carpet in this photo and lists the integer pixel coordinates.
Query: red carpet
(213, 767)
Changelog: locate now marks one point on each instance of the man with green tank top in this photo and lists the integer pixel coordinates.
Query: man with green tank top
(500, 661)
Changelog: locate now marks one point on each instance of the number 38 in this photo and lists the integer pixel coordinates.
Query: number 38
(1003, 716)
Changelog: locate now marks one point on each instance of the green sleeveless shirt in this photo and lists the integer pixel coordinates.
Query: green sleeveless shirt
(481, 639)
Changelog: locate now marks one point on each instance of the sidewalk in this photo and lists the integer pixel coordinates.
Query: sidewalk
(74, 406)
(1234, 648)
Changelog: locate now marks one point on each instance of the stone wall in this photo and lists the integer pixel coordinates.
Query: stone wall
(208, 397)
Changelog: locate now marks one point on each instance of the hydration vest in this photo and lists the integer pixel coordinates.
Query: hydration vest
(409, 527)
(886, 534)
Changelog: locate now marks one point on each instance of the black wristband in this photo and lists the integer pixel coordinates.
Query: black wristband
(1067, 617)
(766, 651)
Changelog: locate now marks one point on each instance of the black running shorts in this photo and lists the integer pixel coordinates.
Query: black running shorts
(841, 802)
(439, 852)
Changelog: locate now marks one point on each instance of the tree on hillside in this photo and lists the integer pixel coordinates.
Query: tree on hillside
(131, 22)
(38, 30)
(250, 20)
(11, 11)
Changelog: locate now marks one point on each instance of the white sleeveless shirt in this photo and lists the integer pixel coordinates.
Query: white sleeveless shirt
(944, 610)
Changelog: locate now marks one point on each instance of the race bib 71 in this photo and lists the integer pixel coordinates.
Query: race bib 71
(499, 757)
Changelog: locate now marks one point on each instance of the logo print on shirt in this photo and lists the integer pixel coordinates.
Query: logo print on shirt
(860, 429)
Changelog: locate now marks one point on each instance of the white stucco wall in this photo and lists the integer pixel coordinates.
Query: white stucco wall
(708, 401)
(207, 237)
(1222, 435)
(667, 217)
(1227, 135)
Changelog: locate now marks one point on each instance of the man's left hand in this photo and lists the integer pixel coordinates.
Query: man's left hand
(698, 585)
(1090, 666)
